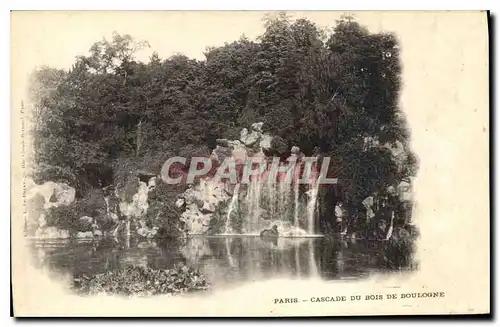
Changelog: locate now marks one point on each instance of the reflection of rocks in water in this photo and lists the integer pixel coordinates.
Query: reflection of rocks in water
(285, 228)
(195, 249)
(281, 244)
(341, 259)
(51, 233)
(170, 255)
(147, 245)
(272, 242)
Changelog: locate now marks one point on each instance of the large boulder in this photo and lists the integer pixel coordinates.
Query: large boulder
(54, 194)
(243, 135)
(265, 142)
(257, 127)
(51, 232)
(200, 203)
(180, 203)
(85, 234)
(405, 191)
(195, 221)
(236, 144)
(139, 205)
(51, 195)
(86, 220)
(207, 208)
(64, 194)
(251, 138)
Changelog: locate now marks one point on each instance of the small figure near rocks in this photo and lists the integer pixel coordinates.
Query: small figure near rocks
(273, 232)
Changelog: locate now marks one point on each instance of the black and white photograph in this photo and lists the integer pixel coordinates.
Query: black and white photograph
(184, 154)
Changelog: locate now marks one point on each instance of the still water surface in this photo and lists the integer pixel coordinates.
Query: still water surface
(225, 260)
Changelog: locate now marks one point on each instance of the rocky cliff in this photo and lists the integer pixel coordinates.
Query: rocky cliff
(42, 198)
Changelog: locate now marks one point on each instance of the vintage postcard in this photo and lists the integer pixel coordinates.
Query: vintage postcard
(248, 163)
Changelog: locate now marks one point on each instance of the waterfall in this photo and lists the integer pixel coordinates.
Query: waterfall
(106, 199)
(267, 203)
(232, 204)
(253, 202)
(271, 194)
(284, 190)
(256, 212)
(296, 201)
(311, 206)
(127, 227)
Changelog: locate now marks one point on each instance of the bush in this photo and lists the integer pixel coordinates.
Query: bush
(218, 220)
(68, 217)
(163, 212)
(141, 281)
(398, 252)
(65, 217)
(279, 146)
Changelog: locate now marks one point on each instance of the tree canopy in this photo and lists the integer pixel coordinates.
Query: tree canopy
(317, 89)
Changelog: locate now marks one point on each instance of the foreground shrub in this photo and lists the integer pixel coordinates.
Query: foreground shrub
(398, 251)
(141, 281)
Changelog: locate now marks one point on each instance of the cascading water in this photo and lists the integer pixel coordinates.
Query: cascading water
(296, 202)
(253, 202)
(278, 203)
(232, 204)
(106, 199)
(311, 206)
(284, 192)
(262, 203)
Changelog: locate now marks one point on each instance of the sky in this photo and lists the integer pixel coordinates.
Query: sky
(72, 33)
(55, 38)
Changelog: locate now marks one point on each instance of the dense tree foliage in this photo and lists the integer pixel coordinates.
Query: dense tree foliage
(326, 90)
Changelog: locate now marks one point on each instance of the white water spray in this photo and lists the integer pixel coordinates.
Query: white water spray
(311, 207)
(232, 204)
(296, 201)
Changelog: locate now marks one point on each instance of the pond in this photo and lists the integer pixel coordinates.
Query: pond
(225, 260)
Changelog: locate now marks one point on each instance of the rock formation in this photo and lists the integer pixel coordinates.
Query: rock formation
(53, 195)
(200, 202)
(133, 212)
(250, 207)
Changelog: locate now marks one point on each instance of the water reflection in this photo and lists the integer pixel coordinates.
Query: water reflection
(224, 260)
